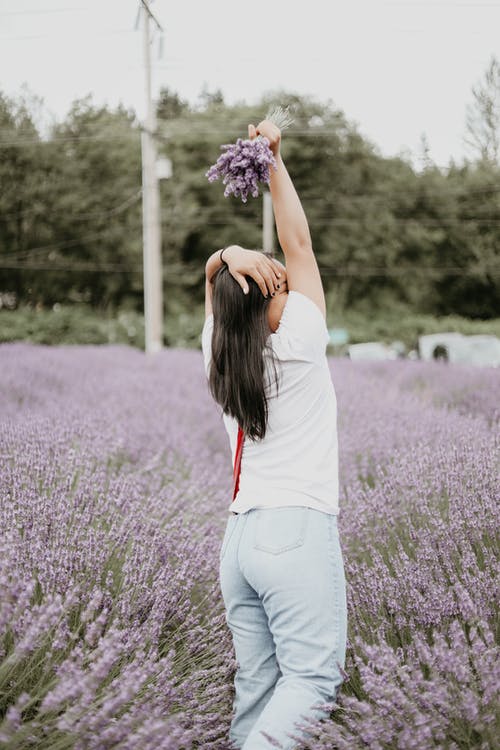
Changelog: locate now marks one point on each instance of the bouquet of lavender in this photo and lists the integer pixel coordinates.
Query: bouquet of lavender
(246, 163)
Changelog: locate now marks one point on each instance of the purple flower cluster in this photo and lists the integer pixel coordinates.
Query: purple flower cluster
(242, 166)
(114, 492)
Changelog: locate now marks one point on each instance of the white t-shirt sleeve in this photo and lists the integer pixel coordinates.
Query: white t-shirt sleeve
(303, 328)
(206, 341)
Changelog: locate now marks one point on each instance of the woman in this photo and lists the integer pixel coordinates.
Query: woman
(281, 567)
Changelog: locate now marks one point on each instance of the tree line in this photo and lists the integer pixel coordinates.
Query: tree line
(384, 233)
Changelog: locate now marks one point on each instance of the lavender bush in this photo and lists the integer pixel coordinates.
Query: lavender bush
(113, 499)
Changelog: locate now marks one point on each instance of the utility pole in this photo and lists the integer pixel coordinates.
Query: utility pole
(267, 222)
(151, 225)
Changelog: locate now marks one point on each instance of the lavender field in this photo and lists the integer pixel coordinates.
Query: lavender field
(115, 485)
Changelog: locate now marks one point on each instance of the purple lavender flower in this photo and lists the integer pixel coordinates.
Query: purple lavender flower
(113, 498)
(242, 166)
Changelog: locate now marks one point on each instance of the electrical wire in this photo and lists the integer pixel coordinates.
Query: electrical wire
(38, 11)
(375, 196)
(219, 221)
(65, 244)
(100, 34)
(83, 217)
(69, 139)
(62, 245)
(326, 270)
(73, 268)
(230, 133)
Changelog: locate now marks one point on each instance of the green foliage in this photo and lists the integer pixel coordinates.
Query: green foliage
(387, 238)
(483, 115)
(72, 324)
(82, 324)
(72, 202)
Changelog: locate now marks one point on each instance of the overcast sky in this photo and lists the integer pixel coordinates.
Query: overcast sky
(395, 67)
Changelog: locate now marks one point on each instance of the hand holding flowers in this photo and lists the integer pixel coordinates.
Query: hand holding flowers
(246, 163)
(242, 166)
(270, 132)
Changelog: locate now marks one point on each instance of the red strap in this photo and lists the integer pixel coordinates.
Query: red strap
(237, 462)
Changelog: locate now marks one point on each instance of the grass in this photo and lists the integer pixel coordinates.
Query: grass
(81, 324)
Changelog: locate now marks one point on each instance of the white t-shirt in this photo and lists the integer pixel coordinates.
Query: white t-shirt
(297, 461)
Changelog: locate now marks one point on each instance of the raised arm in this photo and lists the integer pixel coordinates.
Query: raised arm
(291, 224)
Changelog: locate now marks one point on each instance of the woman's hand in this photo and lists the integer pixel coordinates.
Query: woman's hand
(270, 131)
(266, 271)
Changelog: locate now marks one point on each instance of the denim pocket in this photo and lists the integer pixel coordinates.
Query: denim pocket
(230, 527)
(277, 530)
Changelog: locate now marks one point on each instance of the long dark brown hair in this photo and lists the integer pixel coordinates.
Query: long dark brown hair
(237, 379)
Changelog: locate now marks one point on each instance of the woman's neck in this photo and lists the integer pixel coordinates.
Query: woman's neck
(275, 310)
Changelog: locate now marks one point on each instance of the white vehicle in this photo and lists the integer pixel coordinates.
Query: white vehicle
(371, 350)
(445, 346)
(483, 349)
(456, 348)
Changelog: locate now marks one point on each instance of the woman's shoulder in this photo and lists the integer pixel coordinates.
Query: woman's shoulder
(302, 328)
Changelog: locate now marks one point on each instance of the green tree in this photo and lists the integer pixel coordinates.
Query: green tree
(71, 216)
(483, 116)
(27, 166)
(99, 201)
(385, 236)
(170, 105)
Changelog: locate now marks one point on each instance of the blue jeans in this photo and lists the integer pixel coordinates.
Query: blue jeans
(283, 584)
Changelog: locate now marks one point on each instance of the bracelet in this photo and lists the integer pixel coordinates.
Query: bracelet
(220, 256)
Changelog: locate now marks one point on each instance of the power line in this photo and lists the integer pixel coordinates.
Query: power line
(355, 222)
(59, 139)
(133, 136)
(102, 33)
(38, 11)
(62, 245)
(88, 126)
(66, 244)
(203, 211)
(132, 199)
(68, 139)
(192, 130)
(326, 270)
(461, 192)
(77, 268)
(415, 221)
(375, 195)
(447, 3)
